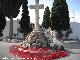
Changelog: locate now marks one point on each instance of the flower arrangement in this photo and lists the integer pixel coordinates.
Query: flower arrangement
(40, 47)
(37, 53)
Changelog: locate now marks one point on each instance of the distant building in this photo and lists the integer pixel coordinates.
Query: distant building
(16, 25)
(74, 26)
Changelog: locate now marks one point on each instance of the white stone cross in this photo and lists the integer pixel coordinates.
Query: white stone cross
(37, 7)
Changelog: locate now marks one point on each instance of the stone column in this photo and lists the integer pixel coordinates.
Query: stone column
(36, 7)
(11, 28)
(37, 14)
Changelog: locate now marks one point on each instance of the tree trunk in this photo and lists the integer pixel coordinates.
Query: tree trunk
(11, 28)
(59, 35)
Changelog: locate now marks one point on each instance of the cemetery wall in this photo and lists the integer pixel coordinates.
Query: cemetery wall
(74, 25)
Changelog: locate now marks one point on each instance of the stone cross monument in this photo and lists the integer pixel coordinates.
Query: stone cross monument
(37, 7)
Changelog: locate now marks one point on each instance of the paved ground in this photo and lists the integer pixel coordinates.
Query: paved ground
(74, 49)
(72, 46)
(4, 51)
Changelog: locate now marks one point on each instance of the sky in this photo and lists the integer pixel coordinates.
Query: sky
(73, 6)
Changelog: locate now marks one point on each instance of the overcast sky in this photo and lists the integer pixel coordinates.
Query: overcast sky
(73, 6)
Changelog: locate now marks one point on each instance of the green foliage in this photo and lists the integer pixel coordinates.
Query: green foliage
(68, 32)
(25, 20)
(60, 15)
(46, 18)
(11, 7)
(1, 34)
(2, 21)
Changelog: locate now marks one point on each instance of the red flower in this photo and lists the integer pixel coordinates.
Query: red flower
(38, 53)
(54, 55)
(63, 53)
(47, 57)
(45, 49)
(25, 48)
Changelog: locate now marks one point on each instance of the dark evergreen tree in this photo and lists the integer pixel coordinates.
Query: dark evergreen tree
(11, 10)
(2, 22)
(60, 16)
(11, 7)
(46, 18)
(25, 20)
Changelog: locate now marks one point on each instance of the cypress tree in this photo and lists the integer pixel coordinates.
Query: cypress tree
(60, 16)
(11, 10)
(25, 20)
(2, 21)
(46, 18)
(11, 7)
